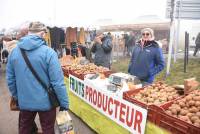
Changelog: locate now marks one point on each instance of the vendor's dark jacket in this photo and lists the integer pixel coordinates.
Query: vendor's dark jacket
(103, 52)
(146, 61)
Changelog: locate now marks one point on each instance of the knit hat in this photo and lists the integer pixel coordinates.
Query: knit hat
(150, 31)
(37, 27)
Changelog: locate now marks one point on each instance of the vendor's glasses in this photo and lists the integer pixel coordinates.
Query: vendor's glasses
(147, 34)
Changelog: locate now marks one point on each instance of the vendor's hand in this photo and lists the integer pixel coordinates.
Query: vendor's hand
(63, 109)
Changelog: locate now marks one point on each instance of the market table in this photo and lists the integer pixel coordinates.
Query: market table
(99, 122)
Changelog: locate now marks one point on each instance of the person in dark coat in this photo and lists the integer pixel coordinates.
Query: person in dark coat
(102, 49)
(147, 58)
(130, 43)
(197, 42)
(126, 37)
(1, 47)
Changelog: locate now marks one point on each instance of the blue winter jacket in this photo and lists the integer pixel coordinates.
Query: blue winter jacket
(24, 86)
(146, 62)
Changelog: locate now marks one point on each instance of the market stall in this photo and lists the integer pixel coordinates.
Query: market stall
(99, 122)
(153, 109)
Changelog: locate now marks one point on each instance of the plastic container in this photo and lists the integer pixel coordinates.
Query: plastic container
(65, 72)
(171, 123)
(80, 76)
(152, 113)
(127, 96)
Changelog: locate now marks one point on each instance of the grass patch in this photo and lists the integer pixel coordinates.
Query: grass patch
(177, 74)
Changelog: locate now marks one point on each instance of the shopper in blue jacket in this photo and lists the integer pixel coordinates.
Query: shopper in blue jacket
(24, 87)
(147, 58)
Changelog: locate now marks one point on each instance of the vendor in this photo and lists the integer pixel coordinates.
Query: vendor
(147, 58)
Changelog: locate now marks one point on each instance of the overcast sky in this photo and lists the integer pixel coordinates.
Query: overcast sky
(76, 12)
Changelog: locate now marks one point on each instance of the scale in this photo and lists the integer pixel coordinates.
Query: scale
(117, 81)
(119, 78)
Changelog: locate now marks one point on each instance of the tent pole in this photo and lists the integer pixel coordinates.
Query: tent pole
(171, 37)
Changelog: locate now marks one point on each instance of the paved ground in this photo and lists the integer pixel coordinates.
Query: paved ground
(9, 119)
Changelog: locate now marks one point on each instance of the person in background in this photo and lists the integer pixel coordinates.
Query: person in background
(147, 58)
(197, 42)
(8, 44)
(102, 49)
(1, 47)
(1, 42)
(31, 96)
(130, 43)
(87, 38)
(126, 37)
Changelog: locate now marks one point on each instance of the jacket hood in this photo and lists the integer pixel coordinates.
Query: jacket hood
(31, 42)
